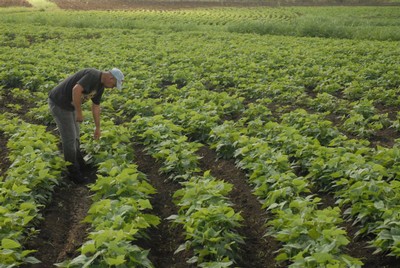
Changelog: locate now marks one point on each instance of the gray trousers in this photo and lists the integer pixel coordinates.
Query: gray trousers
(69, 132)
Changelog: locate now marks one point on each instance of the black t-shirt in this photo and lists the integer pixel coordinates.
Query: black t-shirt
(89, 79)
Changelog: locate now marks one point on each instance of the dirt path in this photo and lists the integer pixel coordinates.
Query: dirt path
(259, 250)
(164, 239)
(61, 230)
(14, 3)
(4, 162)
(359, 248)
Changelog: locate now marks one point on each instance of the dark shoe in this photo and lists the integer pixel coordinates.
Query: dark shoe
(80, 180)
(81, 161)
(75, 175)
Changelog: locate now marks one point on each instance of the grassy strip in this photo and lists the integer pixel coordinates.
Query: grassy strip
(366, 23)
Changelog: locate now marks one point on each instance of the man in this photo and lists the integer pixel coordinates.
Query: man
(65, 105)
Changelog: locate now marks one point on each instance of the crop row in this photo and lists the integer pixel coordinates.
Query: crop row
(198, 80)
(121, 201)
(363, 186)
(194, 16)
(345, 167)
(311, 237)
(339, 22)
(300, 135)
(278, 188)
(198, 111)
(27, 186)
(205, 212)
(345, 80)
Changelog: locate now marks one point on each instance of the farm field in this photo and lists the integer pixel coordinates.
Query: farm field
(242, 137)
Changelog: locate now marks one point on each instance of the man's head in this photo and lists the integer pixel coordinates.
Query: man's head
(113, 78)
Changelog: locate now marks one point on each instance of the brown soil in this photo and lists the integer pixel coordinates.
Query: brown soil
(258, 251)
(62, 231)
(359, 248)
(4, 162)
(385, 138)
(14, 3)
(164, 239)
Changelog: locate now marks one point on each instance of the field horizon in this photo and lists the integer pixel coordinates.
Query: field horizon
(184, 4)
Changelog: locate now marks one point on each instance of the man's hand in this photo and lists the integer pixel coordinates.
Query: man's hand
(97, 133)
(79, 117)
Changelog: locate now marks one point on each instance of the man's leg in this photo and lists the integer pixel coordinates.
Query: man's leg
(79, 157)
(69, 131)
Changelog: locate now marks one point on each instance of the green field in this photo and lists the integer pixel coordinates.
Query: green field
(371, 23)
(304, 100)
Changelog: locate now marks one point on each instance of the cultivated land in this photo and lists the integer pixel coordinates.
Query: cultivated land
(243, 136)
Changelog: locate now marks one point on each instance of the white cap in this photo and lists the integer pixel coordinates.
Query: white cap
(119, 76)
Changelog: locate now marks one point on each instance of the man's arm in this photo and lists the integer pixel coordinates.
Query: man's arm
(77, 92)
(96, 118)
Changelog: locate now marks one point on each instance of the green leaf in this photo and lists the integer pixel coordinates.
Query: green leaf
(322, 257)
(314, 234)
(342, 240)
(193, 259)
(230, 213)
(31, 260)
(116, 261)
(144, 203)
(173, 217)
(182, 247)
(19, 189)
(88, 247)
(151, 219)
(379, 205)
(282, 257)
(9, 244)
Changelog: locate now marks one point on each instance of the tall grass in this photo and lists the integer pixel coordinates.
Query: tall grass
(324, 30)
(368, 23)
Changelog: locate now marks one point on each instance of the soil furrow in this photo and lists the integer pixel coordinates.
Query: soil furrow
(258, 251)
(164, 239)
(61, 231)
(359, 248)
(4, 162)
